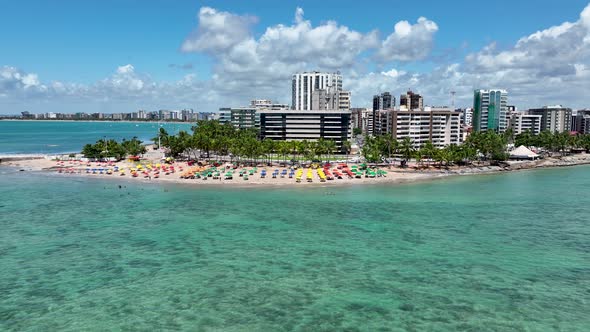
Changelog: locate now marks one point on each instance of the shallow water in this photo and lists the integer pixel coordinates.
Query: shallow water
(507, 252)
(49, 137)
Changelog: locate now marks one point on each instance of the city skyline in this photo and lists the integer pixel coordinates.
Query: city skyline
(233, 52)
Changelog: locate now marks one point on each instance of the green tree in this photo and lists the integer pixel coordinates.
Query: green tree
(406, 148)
(429, 151)
(347, 147)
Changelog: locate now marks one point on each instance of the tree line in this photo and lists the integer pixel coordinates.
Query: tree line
(481, 146)
(209, 137)
(554, 142)
(103, 149)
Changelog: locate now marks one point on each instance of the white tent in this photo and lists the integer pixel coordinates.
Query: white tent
(522, 152)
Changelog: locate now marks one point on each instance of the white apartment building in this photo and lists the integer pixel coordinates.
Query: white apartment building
(304, 84)
(441, 126)
(306, 125)
(521, 122)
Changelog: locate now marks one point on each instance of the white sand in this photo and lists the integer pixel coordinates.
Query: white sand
(394, 175)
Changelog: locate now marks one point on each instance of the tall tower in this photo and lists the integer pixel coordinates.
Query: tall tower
(304, 84)
(489, 110)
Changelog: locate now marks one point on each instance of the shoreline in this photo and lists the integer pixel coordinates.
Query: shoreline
(86, 120)
(41, 165)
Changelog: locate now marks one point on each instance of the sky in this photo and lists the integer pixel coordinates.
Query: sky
(123, 55)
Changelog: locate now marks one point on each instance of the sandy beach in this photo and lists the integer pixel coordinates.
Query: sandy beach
(151, 169)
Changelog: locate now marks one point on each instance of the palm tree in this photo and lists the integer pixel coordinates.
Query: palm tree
(346, 146)
(330, 148)
(294, 147)
(406, 148)
(429, 151)
(389, 144)
(269, 148)
(283, 149)
(302, 147)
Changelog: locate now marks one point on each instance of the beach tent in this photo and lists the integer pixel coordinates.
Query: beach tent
(522, 152)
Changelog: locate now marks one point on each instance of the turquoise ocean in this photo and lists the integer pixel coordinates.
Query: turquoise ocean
(506, 252)
(50, 137)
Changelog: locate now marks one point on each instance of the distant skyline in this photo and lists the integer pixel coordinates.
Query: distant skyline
(120, 56)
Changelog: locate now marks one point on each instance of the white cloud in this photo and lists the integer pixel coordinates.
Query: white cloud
(408, 42)
(13, 79)
(218, 31)
(550, 66)
(125, 69)
(393, 73)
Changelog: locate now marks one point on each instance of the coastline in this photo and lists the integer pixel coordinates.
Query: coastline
(41, 164)
(87, 120)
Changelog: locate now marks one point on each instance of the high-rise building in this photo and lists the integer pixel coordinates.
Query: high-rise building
(521, 122)
(304, 84)
(441, 126)
(288, 125)
(490, 110)
(580, 123)
(381, 102)
(360, 118)
(411, 101)
(511, 110)
(556, 119)
(467, 116)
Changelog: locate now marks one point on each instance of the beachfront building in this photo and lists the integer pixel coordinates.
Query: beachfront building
(248, 117)
(556, 119)
(580, 122)
(305, 84)
(441, 126)
(521, 122)
(490, 110)
(239, 117)
(289, 125)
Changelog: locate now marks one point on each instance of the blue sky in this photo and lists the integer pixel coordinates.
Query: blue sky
(73, 50)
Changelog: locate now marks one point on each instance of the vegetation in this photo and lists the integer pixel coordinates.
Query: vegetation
(553, 142)
(210, 137)
(479, 146)
(112, 149)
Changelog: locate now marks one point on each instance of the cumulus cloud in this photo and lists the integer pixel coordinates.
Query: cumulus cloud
(408, 42)
(13, 79)
(550, 66)
(124, 78)
(218, 31)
